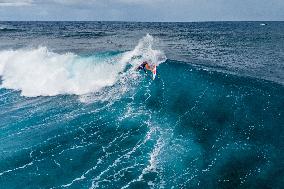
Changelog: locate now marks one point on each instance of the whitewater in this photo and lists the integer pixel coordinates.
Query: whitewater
(40, 72)
(75, 112)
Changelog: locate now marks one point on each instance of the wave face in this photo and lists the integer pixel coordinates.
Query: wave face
(90, 120)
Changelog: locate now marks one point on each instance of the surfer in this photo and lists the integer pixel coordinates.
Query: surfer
(142, 67)
(145, 66)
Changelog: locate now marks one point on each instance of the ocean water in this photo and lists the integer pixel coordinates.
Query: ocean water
(74, 112)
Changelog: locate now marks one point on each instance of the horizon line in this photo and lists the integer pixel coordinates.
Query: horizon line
(141, 21)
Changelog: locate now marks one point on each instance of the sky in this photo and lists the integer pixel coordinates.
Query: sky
(142, 10)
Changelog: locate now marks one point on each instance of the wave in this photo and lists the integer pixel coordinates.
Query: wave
(41, 72)
(168, 126)
(87, 34)
(190, 122)
(5, 29)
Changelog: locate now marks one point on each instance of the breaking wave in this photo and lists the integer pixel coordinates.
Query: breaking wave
(41, 72)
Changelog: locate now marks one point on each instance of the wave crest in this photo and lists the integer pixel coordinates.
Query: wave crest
(40, 72)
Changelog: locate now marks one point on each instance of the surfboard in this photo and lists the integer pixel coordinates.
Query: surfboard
(154, 72)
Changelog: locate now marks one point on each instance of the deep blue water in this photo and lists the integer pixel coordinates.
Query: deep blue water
(74, 112)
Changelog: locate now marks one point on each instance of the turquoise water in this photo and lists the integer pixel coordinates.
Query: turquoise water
(88, 120)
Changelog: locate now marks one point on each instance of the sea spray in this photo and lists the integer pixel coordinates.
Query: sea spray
(40, 72)
(144, 51)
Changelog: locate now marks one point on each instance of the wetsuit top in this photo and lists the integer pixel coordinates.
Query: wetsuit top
(142, 66)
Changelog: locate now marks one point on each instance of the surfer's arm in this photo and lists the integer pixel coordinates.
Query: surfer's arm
(141, 67)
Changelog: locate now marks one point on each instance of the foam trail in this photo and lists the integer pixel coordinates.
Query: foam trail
(39, 72)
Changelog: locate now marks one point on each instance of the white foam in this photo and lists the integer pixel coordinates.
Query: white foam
(40, 72)
(144, 52)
